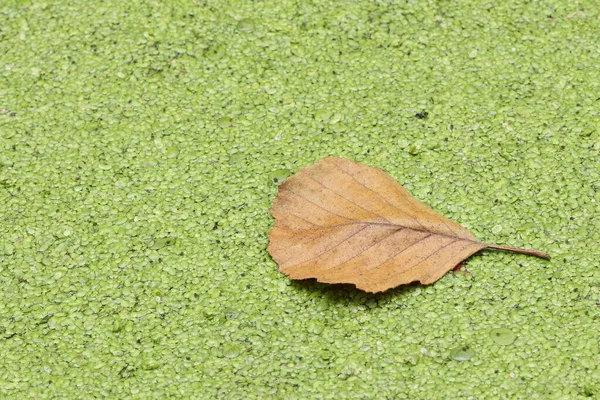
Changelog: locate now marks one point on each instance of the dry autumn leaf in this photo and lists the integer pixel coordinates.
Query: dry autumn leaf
(343, 222)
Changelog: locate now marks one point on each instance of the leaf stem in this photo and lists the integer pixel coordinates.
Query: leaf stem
(529, 252)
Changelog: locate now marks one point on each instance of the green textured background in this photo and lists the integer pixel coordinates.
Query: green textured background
(140, 149)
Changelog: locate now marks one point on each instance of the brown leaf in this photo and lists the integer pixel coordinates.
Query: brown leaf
(343, 222)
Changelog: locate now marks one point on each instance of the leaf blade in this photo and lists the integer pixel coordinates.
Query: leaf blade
(344, 222)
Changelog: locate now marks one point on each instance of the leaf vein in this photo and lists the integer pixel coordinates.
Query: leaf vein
(344, 240)
(396, 254)
(315, 204)
(348, 200)
(378, 194)
(416, 264)
(372, 245)
(436, 215)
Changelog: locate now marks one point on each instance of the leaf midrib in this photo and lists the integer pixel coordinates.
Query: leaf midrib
(388, 225)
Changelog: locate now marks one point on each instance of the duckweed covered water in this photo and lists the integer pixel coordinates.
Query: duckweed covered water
(141, 145)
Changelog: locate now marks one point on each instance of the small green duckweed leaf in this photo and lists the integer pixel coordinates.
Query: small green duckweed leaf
(503, 336)
(246, 25)
(159, 243)
(279, 176)
(323, 115)
(215, 52)
(232, 351)
(415, 148)
(236, 158)
(461, 353)
(172, 151)
(224, 122)
(150, 364)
